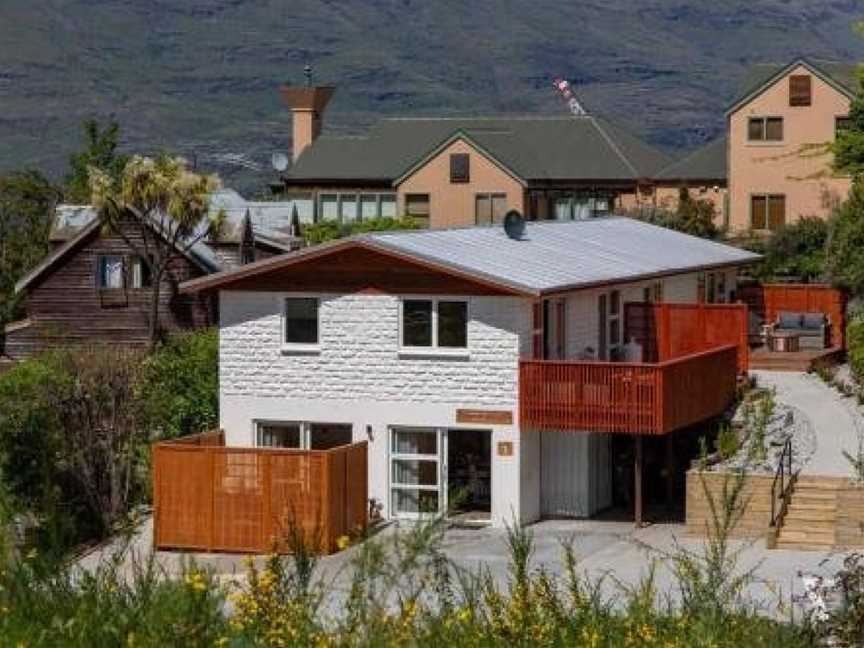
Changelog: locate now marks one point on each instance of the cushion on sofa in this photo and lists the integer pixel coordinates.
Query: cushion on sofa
(813, 320)
(789, 320)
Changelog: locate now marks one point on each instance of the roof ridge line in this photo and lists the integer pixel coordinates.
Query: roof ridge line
(615, 147)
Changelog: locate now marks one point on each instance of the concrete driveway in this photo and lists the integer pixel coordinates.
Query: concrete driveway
(614, 550)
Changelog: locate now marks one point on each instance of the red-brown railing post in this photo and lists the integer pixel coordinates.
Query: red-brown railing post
(267, 534)
(211, 525)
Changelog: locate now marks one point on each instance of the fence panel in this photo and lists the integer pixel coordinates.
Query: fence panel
(252, 500)
(669, 330)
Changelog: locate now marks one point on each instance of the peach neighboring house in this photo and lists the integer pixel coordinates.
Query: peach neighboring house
(454, 172)
(778, 132)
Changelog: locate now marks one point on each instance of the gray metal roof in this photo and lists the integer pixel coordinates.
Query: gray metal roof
(708, 162)
(555, 256)
(534, 148)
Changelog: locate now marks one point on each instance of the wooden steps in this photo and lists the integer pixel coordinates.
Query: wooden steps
(811, 519)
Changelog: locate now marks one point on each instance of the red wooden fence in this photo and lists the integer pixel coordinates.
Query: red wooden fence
(667, 331)
(631, 398)
(767, 300)
(212, 498)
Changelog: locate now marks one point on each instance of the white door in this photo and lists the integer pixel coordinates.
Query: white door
(416, 472)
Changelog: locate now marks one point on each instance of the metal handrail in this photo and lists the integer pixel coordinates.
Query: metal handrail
(786, 479)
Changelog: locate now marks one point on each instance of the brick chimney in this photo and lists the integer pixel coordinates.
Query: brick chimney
(307, 104)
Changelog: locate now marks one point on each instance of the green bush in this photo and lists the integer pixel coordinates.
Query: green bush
(331, 230)
(855, 346)
(180, 385)
(796, 250)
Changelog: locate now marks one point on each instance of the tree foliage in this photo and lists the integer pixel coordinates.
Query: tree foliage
(844, 251)
(100, 151)
(180, 385)
(691, 216)
(796, 250)
(27, 201)
(166, 205)
(848, 147)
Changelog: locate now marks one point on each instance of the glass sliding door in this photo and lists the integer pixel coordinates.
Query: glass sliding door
(415, 471)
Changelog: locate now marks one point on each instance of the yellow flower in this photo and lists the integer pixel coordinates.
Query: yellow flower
(343, 542)
(31, 554)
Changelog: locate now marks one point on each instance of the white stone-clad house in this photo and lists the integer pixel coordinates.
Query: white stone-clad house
(424, 342)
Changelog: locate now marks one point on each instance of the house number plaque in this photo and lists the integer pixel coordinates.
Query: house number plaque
(505, 448)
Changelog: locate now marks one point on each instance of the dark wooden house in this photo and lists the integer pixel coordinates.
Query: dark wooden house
(93, 289)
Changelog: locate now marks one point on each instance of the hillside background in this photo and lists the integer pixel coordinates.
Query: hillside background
(199, 77)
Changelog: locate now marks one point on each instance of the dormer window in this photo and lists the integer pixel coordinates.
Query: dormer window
(460, 168)
(800, 90)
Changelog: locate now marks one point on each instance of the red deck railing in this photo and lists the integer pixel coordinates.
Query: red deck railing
(630, 398)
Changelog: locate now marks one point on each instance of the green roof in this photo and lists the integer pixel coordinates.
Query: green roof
(532, 148)
(842, 75)
(705, 163)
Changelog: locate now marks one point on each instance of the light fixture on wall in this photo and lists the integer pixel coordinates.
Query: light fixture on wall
(369, 434)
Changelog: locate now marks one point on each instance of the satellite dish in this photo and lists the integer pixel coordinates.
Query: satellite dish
(514, 225)
(279, 161)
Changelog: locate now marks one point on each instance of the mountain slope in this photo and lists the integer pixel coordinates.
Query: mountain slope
(200, 76)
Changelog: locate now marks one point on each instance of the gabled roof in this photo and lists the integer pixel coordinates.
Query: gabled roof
(707, 163)
(532, 148)
(199, 254)
(842, 76)
(551, 256)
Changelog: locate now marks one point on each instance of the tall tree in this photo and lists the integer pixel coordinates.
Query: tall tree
(844, 249)
(161, 210)
(27, 201)
(101, 151)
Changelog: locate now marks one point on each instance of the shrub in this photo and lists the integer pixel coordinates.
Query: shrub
(331, 230)
(844, 251)
(796, 250)
(180, 385)
(855, 346)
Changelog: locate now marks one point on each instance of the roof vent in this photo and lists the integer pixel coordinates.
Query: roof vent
(514, 225)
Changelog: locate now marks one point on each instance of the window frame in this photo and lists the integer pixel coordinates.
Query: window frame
(491, 197)
(139, 268)
(357, 199)
(767, 197)
(99, 259)
(764, 119)
(434, 349)
(837, 120)
(305, 429)
(798, 100)
(298, 347)
(455, 160)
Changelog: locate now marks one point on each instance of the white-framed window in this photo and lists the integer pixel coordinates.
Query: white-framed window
(302, 435)
(300, 323)
(438, 325)
(141, 277)
(109, 272)
(415, 472)
(616, 323)
(349, 207)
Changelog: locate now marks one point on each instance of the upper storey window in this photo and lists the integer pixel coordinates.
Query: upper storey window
(765, 129)
(460, 168)
(800, 90)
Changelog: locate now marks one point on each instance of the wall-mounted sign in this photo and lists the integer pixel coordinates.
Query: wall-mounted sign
(488, 417)
(505, 448)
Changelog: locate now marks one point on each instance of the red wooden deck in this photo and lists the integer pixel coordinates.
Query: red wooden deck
(629, 398)
(807, 360)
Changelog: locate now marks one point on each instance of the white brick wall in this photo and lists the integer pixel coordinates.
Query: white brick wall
(360, 353)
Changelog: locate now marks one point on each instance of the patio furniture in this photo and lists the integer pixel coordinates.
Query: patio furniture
(811, 328)
(784, 342)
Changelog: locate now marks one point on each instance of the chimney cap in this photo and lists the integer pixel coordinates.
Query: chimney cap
(306, 97)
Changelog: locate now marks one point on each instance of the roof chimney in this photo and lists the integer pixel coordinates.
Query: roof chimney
(307, 104)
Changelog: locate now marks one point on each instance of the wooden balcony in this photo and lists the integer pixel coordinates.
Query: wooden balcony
(628, 398)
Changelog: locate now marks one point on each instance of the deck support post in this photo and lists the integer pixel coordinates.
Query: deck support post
(637, 485)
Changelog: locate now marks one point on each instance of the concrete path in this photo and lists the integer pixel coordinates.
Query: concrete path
(838, 426)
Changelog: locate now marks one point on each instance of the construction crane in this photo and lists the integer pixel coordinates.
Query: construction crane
(566, 91)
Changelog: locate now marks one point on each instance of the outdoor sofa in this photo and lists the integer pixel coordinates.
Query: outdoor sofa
(811, 328)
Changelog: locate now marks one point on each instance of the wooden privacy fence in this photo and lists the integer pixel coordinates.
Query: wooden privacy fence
(631, 398)
(767, 300)
(667, 331)
(213, 498)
